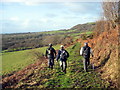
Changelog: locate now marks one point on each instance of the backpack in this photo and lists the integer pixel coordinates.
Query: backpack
(50, 51)
(86, 51)
(63, 54)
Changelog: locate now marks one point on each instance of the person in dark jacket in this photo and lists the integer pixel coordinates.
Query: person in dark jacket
(63, 55)
(85, 52)
(50, 54)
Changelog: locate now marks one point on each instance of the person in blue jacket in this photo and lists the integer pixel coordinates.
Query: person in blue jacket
(62, 56)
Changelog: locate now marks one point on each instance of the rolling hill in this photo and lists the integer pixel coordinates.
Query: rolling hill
(32, 71)
(23, 41)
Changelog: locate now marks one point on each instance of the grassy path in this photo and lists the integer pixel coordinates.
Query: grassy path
(42, 77)
(75, 76)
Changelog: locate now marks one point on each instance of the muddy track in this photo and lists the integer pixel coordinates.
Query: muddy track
(24, 74)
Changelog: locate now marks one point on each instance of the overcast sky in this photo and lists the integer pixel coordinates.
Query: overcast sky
(17, 17)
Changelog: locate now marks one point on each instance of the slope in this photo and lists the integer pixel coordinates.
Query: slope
(39, 76)
(105, 50)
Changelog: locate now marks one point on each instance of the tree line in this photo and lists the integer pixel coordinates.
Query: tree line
(23, 41)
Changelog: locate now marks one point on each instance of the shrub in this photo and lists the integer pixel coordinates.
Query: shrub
(84, 36)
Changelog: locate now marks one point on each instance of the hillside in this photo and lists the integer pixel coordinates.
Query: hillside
(84, 27)
(25, 66)
(23, 41)
(37, 75)
(106, 56)
(105, 49)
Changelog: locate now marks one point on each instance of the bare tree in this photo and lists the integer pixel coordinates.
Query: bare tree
(111, 11)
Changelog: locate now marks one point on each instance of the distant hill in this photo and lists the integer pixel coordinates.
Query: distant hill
(84, 27)
(23, 41)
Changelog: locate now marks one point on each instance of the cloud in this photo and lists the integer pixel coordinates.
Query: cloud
(59, 0)
(82, 8)
(44, 20)
(25, 23)
(14, 19)
(31, 3)
(51, 15)
(24, 2)
(12, 1)
(1, 11)
(26, 17)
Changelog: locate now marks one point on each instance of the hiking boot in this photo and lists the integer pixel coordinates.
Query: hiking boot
(64, 71)
(48, 66)
(86, 70)
(51, 67)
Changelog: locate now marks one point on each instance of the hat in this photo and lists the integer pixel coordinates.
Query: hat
(61, 46)
(50, 44)
(85, 43)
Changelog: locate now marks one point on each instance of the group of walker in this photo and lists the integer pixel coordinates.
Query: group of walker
(62, 55)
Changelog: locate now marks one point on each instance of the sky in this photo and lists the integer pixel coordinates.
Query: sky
(20, 17)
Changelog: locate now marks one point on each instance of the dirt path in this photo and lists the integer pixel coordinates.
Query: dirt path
(24, 74)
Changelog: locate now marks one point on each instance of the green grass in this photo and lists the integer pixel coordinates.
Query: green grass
(77, 35)
(58, 31)
(14, 61)
(47, 78)
(88, 33)
(74, 78)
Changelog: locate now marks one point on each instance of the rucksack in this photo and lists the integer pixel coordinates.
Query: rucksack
(86, 51)
(63, 54)
(50, 51)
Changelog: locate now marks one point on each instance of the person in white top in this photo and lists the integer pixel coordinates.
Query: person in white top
(85, 52)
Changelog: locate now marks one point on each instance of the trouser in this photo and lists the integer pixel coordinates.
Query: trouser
(86, 62)
(63, 65)
(50, 62)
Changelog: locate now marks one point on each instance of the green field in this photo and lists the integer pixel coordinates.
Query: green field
(74, 78)
(58, 31)
(46, 78)
(14, 61)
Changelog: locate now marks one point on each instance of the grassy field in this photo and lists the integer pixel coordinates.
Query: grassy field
(47, 78)
(74, 78)
(14, 61)
(58, 31)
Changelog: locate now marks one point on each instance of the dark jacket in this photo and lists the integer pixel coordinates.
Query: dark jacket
(60, 52)
(86, 51)
(52, 54)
